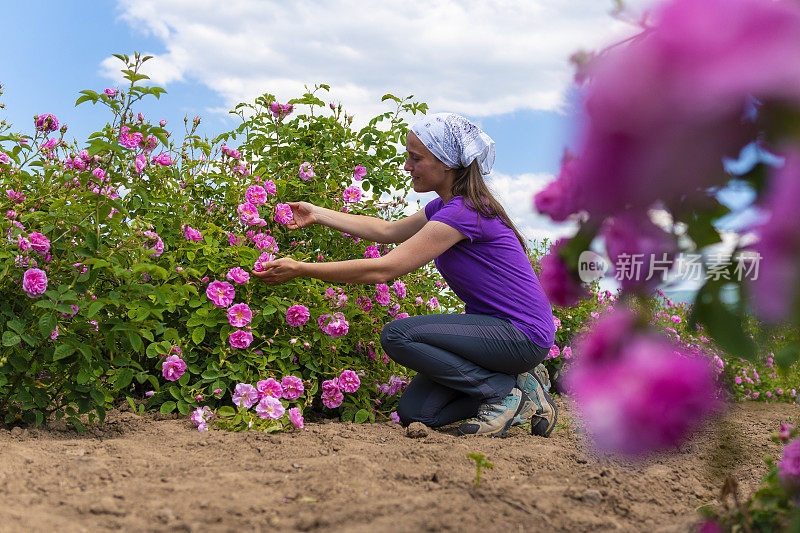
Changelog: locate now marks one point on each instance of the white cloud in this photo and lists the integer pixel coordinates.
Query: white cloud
(474, 57)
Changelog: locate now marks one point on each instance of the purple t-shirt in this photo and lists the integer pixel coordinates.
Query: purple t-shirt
(490, 272)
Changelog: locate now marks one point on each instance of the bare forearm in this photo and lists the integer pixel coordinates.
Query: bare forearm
(351, 271)
(369, 228)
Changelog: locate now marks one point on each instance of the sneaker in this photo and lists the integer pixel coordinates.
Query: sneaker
(527, 384)
(540, 408)
(493, 419)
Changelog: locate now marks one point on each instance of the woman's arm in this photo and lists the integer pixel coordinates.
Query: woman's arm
(424, 246)
(369, 228)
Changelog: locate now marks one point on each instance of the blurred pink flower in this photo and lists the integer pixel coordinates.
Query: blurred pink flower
(269, 387)
(292, 387)
(556, 322)
(557, 281)
(395, 417)
(399, 289)
(296, 417)
(163, 159)
(666, 107)
(775, 277)
(245, 395)
(221, 293)
(348, 381)
(372, 252)
(173, 368)
(432, 303)
(240, 338)
(555, 199)
(34, 282)
(567, 352)
(297, 315)
(623, 376)
(398, 316)
(239, 315)
(238, 275)
(789, 466)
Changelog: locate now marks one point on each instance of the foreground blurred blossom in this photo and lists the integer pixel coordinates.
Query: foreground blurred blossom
(173, 368)
(789, 466)
(557, 281)
(34, 282)
(291, 387)
(245, 395)
(270, 407)
(221, 293)
(636, 391)
(297, 315)
(775, 290)
(296, 417)
(666, 107)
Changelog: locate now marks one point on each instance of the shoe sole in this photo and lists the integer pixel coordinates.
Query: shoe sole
(542, 428)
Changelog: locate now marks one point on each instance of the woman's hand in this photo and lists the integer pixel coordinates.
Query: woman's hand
(279, 271)
(302, 215)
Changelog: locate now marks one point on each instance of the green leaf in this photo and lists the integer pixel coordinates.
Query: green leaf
(123, 378)
(10, 339)
(361, 416)
(47, 324)
(98, 397)
(198, 334)
(62, 351)
(168, 407)
(94, 308)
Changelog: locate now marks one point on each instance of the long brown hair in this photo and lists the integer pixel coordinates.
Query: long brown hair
(469, 184)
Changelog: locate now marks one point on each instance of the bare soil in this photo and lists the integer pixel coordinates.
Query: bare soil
(153, 474)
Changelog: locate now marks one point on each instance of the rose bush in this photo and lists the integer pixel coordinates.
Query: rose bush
(125, 267)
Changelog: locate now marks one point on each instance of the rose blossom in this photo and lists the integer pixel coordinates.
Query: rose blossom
(359, 173)
(270, 407)
(292, 387)
(348, 381)
(238, 275)
(283, 213)
(352, 194)
(247, 212)
(240, 338)
(173, 368)
(269, 387)
(372, 252)
(239, 315)
(34, 282)
(399, 289)
(141, 162)
(270, 187)
(111, 93)
(245, 395)
(306, 171)
(296, 417)
(47, 122)
(256, 195)
(382, 295)
(153, 243)
(297, 315)
(332, 396)
(192, 234)
(221, 293)
(39, 242)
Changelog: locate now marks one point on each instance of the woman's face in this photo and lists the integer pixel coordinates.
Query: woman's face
(427, 172)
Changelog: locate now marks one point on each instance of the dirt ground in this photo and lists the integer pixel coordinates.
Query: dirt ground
(149, 474)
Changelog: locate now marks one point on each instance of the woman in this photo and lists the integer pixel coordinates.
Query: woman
(474, 365)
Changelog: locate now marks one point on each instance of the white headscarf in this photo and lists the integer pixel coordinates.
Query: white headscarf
(455, 141)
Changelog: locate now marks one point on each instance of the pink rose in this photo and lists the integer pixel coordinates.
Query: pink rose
(266, 257)
(240, 338)
(399, 289)
(348, 381)
(297, 315)
(192, 234)
(269, 387)
(221, 293)
(296, 417)
(34, 282)
(173, 368)
(141, 162)
(292, 387)
(111, 93)
(238, 275)
(359, 172)
(352, 194)
(270, 407)
(256, 195)
(270, 188)
(247, 212)
(239, 315)
(245, 395)
(306, 171)
(283, 213)
(47, 122)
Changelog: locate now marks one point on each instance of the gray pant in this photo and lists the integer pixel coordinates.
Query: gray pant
(461, 362)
